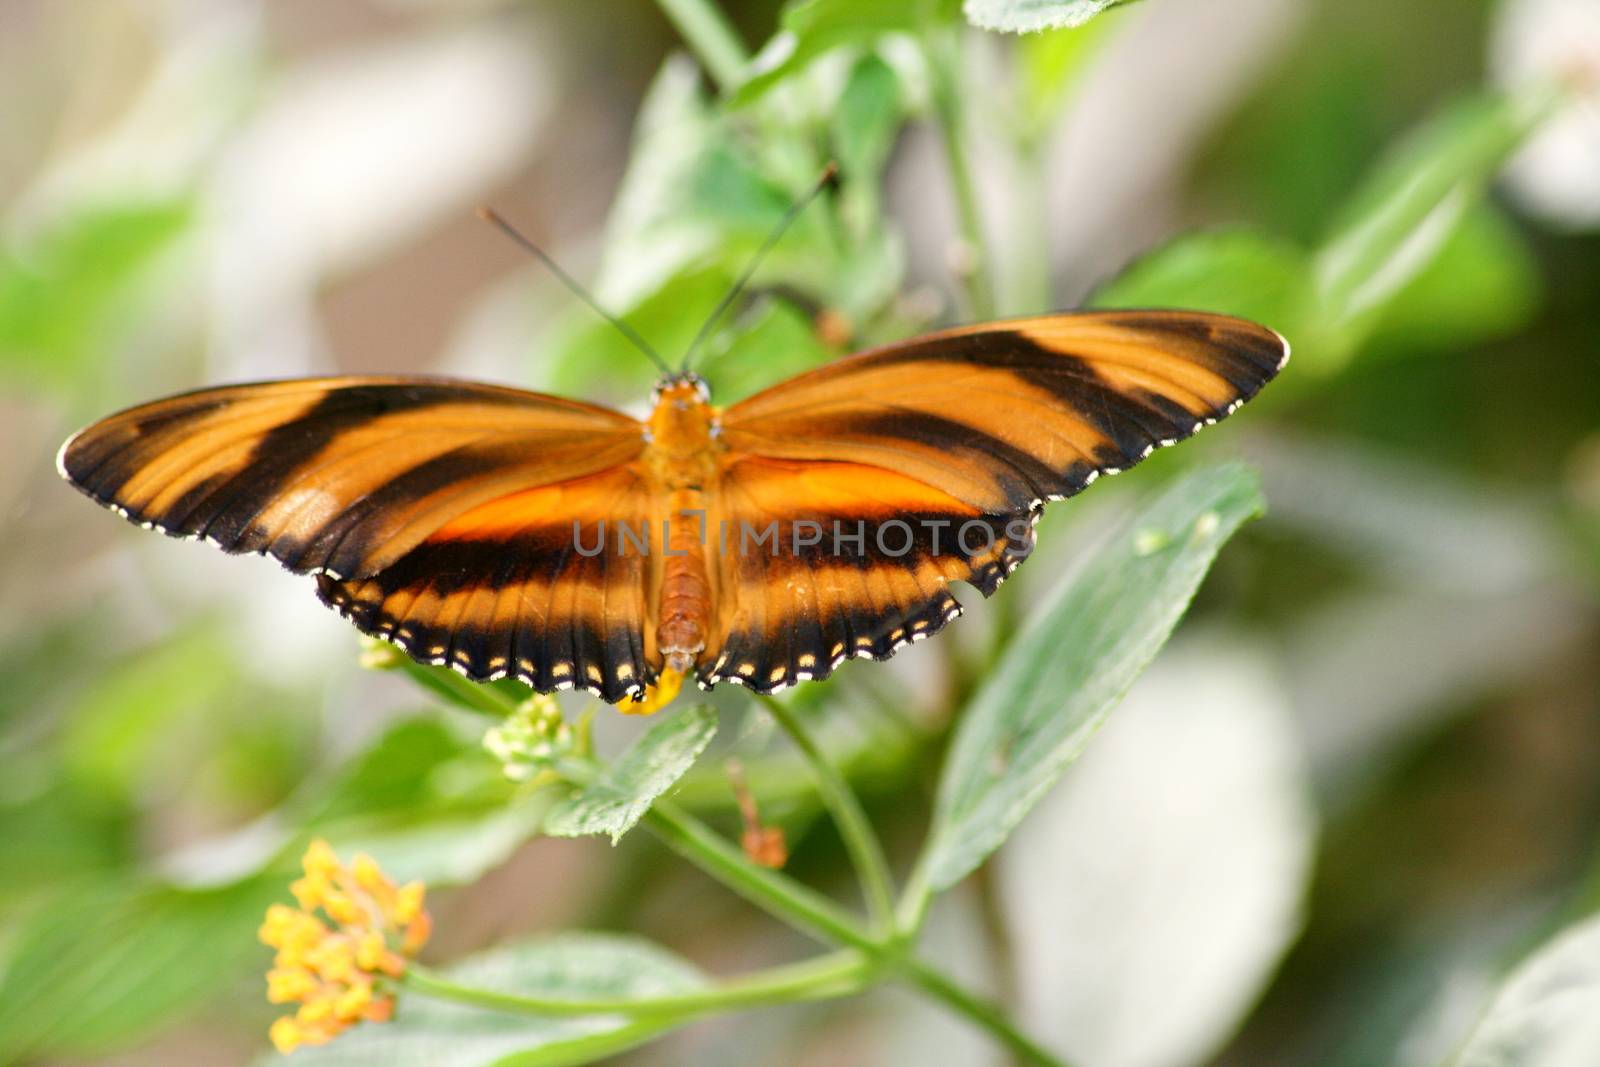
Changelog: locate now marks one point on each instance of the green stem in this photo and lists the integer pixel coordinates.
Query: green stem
(472, 696)
(786, 899)
(997, 932)
(1031, 291)
(987, 1015)
(866, 853)
(944, 61)
(915, 899)
(775, 893)
(706, 30)
(808, 911)
(834, 975)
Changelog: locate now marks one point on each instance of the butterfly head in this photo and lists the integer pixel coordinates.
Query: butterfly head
(682, 387)
(682, 420)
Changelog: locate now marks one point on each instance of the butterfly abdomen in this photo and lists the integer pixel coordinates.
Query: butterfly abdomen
(685, 582)
(682, 457)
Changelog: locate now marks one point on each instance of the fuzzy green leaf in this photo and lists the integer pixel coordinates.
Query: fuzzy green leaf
(1049, 65)
(867, 120)
(449, 849)
(591, 358)
(696, 196)
(58, 298)
(1410, 206)
(112, 744)
(695, 205)
(428, 803)
(393, 777)
(106, 964)
(624, 792)
(812, 28)
(1061, 678)
(1030, 16)
(775, 341)
(1483, 283)
(432, 1033)
(1235, 272)
(1547, 1014)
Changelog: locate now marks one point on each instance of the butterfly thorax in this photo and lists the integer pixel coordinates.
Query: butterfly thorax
(682, 434)
(681, 457)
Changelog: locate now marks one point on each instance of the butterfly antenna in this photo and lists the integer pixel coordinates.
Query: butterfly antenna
(494, 218)
(829, 177)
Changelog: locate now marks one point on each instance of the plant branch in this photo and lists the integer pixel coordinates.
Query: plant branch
(1031, 291)
(997, 932)
(874, 953)
(786, 899)
(866, 852)
(915, 900)
(470, 696)
(712, 40)
(989, 1016)
(944, 55)
(775, 893)
(834, 975)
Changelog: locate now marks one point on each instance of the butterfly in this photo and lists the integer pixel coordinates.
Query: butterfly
(506, 533)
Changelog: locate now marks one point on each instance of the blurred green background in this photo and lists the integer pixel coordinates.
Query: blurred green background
(1359, 782)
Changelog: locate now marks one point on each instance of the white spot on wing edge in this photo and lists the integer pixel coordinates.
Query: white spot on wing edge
(1287, 348)
(61, 458)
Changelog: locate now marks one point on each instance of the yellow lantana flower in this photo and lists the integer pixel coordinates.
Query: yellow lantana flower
(340, 951)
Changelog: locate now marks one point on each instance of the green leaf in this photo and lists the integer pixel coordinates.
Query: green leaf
(1203, 759)
(55, 835)
(812, 28)
(164, 697)
(1483, 283)
(449, 849)
(499, 697)
(779, 343)
(58, 298)
(432, 1033)
(1049, 64)
(625, 790)
(429, 804)
(672, 133)
(395, 776)
(867, 120)
(106, 964)
(695, 196)
(1030, 16)
(111, 742)
(695, 204)
(1410, 205)
(1386, 268)
(1235, 272)
(592, 359)
(1062, 676)
(1547, 1014)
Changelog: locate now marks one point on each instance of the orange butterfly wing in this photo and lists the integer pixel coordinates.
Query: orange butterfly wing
(504, 590)
(444, 515)
(437, 513)
(980, 425)
(865, 557)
